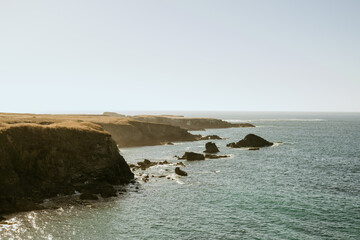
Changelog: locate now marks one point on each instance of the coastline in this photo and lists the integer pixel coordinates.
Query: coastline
(46, 155)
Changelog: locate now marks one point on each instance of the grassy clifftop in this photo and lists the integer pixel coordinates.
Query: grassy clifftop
(127, 132)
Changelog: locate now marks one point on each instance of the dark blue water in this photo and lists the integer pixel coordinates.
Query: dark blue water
(307, 187)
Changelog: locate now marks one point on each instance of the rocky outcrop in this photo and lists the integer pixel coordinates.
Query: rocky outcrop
(252, 141)
(191, 156)
(180, 172)
(39, 161)
(188, 122)
(146, 164)
(211, 148)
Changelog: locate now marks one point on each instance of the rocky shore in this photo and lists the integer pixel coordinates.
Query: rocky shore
(42, 156)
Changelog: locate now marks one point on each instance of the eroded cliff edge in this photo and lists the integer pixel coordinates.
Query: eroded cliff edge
(135, 133)
(39, 161)
(189, 123)
(127, 132)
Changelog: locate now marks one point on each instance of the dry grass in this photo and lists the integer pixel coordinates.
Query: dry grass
(85, 122)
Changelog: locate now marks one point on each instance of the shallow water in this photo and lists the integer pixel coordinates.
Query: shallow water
(307, 187)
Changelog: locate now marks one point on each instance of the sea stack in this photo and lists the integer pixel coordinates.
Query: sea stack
(251, 140)
(211, 148)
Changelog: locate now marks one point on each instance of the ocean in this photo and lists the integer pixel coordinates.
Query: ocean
(306, 186)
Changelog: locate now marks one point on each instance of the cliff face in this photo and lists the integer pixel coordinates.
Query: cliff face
(135, 133)
(189, 123)
(41, 161)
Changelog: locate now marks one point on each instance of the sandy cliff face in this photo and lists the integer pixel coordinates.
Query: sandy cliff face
(41, 161)
(136, 133)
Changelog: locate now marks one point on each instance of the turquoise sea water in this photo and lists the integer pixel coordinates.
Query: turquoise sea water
(307, 187)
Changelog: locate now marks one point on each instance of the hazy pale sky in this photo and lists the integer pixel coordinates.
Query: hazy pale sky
(238, 55)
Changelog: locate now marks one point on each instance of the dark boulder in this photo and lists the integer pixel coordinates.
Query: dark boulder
(180, 172)
(254, 148)
(191, 156)
(211, 148)
(251, 140)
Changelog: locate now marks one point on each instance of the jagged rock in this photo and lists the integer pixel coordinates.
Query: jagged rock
(88, 196)
(191, 156)
(146, 164)
(211, 148)
(180, 164)
(232, 145)
(145, 178)
(210, 137)
(250, 140)
(180, 172)
(212, 156)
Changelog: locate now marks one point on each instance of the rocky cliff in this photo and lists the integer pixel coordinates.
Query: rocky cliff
(135, 133)
(189, 123)
(125, 131)
(38, 161)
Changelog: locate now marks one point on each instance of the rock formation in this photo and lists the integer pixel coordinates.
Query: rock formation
(39, 161)
(191, 156)
(189, 123)
(180, 172)
(211, 148)
(135, 133)
(146, 164)
(251, 140)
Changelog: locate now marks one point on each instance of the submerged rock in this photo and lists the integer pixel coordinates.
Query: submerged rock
(191, 156)
(180, 172)
(212, 156)
(254, 148)
(146, 164)
(210, 137)
(211, 148)
(250, 140)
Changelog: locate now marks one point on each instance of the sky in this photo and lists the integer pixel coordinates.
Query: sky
(93, 56)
